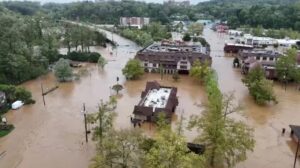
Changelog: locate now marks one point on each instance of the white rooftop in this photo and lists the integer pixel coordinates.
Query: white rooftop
(157, 98)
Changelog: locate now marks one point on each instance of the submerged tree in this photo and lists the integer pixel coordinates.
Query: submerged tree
(119, 149)
(133, 69)
(62, 70)
(169, 149)
(187, 37)
(199, 71)
(176, 76)
(226, 141)
(102, 62)
(104, 117)
(259, 87)
(117, 88)
(286, 66)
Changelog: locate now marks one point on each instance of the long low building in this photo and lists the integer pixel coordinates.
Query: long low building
(235, 48)
(154, 100)
(172, 56)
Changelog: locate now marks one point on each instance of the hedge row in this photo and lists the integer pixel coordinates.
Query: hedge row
(82, 56)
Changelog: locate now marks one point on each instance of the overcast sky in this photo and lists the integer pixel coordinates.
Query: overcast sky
(157, 1)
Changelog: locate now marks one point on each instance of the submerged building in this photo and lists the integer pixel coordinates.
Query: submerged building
(172, 56)
(154, 100)
(137, 22)
(259, 57)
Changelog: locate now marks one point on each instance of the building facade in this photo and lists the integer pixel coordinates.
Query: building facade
(171, 57)
(259, 57)
(137, 22)
(156, 99)
(235, 48)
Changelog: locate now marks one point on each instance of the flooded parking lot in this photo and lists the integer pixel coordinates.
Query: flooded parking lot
(53, 135)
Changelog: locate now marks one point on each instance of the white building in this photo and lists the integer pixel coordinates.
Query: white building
(137, 22)
(287, 42)
(257, 41)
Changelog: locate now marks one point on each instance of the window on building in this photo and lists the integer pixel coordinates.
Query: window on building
(264, 58)
(271, 59)
(154, 65)
(145, 64)
(184, 62)
(257, 57)
(183, 67)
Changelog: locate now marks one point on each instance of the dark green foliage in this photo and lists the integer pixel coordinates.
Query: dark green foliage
(117, 88)
(5, 129)
(201, 40)
(187, 37)
(14, 93)
(25, 50)
(259, 87)
(92, 57)
(22, 7)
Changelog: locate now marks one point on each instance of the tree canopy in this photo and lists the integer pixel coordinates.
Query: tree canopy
(133, 69)
(259, 87)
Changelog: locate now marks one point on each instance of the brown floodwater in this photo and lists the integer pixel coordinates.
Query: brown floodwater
(53, 135)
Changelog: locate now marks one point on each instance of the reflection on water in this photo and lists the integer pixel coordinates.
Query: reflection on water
(53, 136)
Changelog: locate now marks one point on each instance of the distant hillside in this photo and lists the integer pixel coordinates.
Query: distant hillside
(266, 13)
(252, 2)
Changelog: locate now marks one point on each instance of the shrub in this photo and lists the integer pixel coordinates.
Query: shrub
(14, 93)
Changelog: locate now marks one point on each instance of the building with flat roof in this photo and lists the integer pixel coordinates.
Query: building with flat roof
(172, 56)
(235, 48)
(137, 22)
(154, 100)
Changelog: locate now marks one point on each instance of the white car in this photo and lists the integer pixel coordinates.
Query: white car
(17, 104)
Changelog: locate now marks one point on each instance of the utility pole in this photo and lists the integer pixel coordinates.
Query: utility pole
(43, 94)
(85, 124)
(296, 153)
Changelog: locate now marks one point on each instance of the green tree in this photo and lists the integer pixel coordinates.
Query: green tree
(226, 141)
(176, 76)
(133, 69)
(119, 149)
(286, 66)
(62, 70)
(187, 37)
(259, 87)
(104, 117)
(170, 150)
(195, 29)
(199, 71)
(102, 62)
(117, 88)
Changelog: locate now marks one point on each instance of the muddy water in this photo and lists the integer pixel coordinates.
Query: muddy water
(272, 149)
(53, 136)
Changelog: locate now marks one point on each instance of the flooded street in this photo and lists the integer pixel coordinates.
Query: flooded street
(53, 136)
(272, 150)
